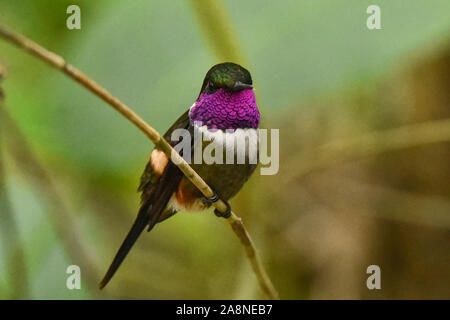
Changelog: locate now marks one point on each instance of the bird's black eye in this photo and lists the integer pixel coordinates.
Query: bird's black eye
(211, 87)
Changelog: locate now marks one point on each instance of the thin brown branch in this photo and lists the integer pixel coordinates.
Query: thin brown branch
(235, 222)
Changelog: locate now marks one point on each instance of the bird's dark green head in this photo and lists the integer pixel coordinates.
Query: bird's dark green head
(228, 76)
(227, 99)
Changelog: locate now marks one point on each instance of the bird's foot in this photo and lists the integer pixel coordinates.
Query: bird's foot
(225, 214)
(218, 213)
(213, 199)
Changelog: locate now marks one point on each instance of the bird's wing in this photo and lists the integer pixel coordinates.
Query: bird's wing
(157, 190)
(149, 177)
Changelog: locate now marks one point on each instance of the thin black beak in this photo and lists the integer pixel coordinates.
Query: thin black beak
(238, 86)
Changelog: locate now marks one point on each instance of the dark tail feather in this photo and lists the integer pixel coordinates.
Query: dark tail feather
(149, 213)
(138, 226)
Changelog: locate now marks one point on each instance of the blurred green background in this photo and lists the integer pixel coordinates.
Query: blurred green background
(360, 182)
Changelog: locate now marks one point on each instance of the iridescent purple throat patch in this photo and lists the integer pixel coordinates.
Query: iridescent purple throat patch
(226, 110)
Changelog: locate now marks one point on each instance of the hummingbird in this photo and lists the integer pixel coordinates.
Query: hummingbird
(225, 108)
